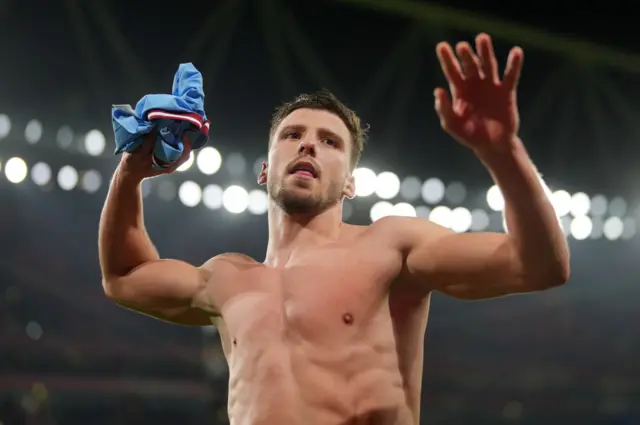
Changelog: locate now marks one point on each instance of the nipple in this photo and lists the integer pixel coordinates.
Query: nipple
(347, 318)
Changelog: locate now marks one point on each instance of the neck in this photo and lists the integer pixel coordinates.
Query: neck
(288, 233)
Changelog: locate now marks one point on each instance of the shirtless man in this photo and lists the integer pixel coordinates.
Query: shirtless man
(329, 328)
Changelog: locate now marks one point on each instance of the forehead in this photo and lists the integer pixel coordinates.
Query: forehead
(314, 119)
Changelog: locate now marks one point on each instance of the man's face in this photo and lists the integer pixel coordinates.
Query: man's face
(308, 169)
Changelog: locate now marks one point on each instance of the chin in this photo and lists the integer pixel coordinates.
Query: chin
(295, 201)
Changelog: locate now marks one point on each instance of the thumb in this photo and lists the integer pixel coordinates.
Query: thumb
(449, 120)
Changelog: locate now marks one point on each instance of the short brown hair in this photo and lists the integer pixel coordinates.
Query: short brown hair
(327, 101)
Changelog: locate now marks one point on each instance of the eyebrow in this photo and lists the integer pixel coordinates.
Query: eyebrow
(324, 132)
(294, 127)
(328, 133)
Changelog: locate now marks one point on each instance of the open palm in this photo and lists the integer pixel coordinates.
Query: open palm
(482, 112)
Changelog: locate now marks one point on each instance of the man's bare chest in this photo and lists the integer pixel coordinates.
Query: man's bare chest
(318, 297)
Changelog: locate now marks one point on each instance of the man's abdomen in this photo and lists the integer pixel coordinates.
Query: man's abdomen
(292, 385)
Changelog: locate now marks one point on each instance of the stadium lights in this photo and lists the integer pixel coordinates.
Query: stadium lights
(16, 170)
(94, 143)
(582, 217)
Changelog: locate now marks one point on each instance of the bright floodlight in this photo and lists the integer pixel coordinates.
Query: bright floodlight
(441, 215)
(479, 220)
(404, 209)
(495, 199)
(561, 201)
(433, 191)
(365, 181)
(187, 164)
(613, 228)
(209, 160)
(461, 220)
(629, 228)
(599, 205)
(455, 192)
(15, 169)
(5, 126)
(618, 207)
(380, 209)
(258, 202)
(580, 204)
(410, 188)
(34, 330)
(64, 136)
(94, 142)
(387, 185)
(33, 132)
(91, 181)
(212, 196)
(190, 193)
(423, 211)
(235, 199)
(67, 178)
(41, 173)
(581, 227)
(598, 227)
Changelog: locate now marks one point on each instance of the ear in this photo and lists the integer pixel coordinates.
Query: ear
(262, 177)
(349, 187)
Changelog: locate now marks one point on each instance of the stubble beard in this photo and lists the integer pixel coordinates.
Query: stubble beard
(292, 202)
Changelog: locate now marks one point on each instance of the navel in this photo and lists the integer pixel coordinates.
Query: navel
(347, 318)
(235, 342)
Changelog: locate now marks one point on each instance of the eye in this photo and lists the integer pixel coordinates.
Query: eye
(331, 142)
(292, 135)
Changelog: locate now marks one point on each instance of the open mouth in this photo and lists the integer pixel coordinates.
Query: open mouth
(304, 169)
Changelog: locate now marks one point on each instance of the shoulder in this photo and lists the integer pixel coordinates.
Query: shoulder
(229, 262)
(406, 232)
(222, 273)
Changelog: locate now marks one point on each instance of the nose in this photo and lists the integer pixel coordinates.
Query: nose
(307, 147)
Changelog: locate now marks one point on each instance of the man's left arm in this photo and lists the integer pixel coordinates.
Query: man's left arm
(532, 256)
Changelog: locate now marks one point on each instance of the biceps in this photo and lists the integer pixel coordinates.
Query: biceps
(468, 266)
(163, 285)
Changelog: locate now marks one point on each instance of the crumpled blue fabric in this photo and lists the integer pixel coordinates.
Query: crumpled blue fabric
(187, 97)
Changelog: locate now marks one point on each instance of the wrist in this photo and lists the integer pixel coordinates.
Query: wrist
(507, 155)
(127, 178)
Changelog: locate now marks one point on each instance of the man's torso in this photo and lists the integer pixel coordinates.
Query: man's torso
(333, 337)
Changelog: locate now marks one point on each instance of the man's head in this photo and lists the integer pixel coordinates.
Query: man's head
(315, 142)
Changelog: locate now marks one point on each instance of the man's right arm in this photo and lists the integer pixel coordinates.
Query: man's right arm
(134, 276)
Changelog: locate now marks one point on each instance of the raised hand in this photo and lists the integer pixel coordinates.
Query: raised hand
(482, 111)
(139, 164)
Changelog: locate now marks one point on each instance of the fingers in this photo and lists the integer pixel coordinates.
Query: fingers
(141, 160)
(449, 64)
(449, 120)
(489, 64)
(481, 64)
(470, 62)
(187, 142)
(513, 69)
(148, 143)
